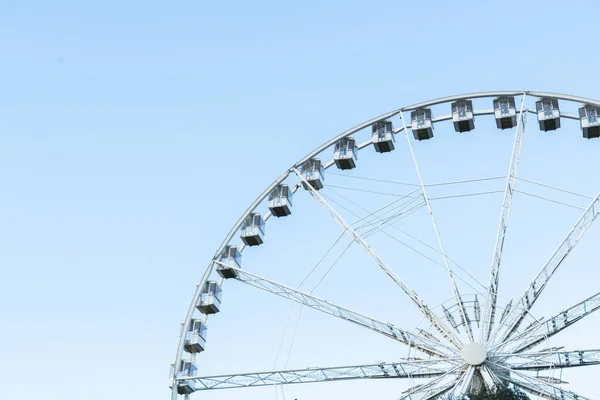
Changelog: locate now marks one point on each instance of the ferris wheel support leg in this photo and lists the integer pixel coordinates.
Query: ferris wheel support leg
(535, 288)
(358, 239)
(463, 314)
(420, 343)
(492, 295)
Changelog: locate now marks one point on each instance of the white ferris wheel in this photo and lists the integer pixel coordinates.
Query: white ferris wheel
(463, 331)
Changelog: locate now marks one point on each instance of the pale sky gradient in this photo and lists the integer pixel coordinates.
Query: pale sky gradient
(134, 133)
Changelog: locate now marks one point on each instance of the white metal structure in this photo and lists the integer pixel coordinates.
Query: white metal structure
(468, 346)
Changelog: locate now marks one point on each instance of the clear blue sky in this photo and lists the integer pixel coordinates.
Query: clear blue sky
(133, 134)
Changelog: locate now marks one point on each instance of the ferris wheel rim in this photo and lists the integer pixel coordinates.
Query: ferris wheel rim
(389, 114)
(326, 145)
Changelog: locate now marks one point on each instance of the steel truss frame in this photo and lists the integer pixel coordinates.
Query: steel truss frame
(508, 344)
(534, 290)
(403, 369)
(444, 370)
(542, 330)
(418, 342)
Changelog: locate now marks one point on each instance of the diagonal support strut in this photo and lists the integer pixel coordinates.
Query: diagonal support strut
(429, 315)
(420, 343)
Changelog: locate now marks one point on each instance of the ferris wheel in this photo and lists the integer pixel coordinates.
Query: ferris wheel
(473, 337)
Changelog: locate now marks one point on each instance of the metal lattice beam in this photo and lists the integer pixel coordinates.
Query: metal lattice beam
(524, 304)
(550, 360)
(399, 370)
(492, 296)
(429, 315)
(420, 343)
(549, 327)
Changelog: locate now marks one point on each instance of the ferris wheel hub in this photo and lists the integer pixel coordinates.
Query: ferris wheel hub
(474, 353)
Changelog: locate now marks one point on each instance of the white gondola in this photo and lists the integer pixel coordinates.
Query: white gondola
(231, 257)
(421, 124)
(280, 201)
(383, 136)
(462, 116)
(345, 153)
(312, 170)
(253, 230)
(195, 337)
(590, 124)
(548, 114)
(505, 112)
(186, 369)
(210, 298)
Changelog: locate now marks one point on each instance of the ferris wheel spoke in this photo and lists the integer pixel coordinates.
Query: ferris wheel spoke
(418, 342)
(465, 381)
(461, 307)
(402, 369)
(492, 296)
(540, 387)
(444, 330)
(550, 360)
(524, 304)
(551, 326)
(436, 387)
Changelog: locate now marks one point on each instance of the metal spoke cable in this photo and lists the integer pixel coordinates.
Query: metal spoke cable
(395, 214)
(292, 306)
(387, 223)
(554, 187)
(315, 287)
(417, 185)
(394, 218)
(312, 290)
(283, 338)
(379, 209)
(437, 251)
(465, 181)
(432, 198)
(373, 179)
(550, 200)
(350, 211)
(413, 249)
(365, 190)
(417, 251)
(287, 359)
(372, 214)
(320, 260)
(353, 213)
(330, 268)
(382, 211)
(466, 195)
